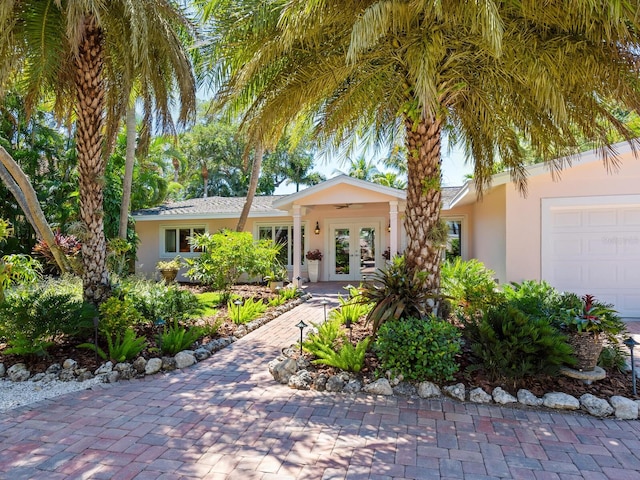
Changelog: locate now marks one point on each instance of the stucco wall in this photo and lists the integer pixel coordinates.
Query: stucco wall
(523, 242)
(488, 242)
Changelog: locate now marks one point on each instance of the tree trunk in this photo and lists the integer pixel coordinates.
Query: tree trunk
(253, 186)
(128, 171)
(91, 162)
(20, 186)
(205, 179)
(422, 212)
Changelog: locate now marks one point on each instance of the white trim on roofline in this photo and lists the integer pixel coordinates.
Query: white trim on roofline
(502, 178)
(340, 179)
(207, 216)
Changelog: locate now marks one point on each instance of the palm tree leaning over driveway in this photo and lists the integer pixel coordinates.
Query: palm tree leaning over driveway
(87, 55)
(493, 72)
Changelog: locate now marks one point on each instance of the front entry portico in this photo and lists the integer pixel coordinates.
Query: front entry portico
(354, 250)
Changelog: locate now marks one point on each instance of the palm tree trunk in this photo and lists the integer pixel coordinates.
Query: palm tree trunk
(253, 186)
(91, 163)
(422, 212)
(128, 171)
(18, 183)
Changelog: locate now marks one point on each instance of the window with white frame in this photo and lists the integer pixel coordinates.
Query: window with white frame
(175, 240)
(282, 235)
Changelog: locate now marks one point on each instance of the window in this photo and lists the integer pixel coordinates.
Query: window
(454, 242)
(176, 240)
(282, 235)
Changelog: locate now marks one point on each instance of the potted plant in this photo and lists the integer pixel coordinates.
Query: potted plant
(313, 260)
(169, 268)
(587, 323)
(276, 278)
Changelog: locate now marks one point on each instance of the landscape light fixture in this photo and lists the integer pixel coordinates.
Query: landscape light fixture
(301, 325)
(630, 342)
(324, 307)
(298, 278)
(389, 227)
(317, 229)
(237, 303)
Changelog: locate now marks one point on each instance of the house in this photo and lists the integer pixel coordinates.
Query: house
(581, 234)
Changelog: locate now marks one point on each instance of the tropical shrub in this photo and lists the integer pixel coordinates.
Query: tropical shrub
(117, 316)
(227, 255)
(31, 317)
(70, 247)
(176, 338)
(396, 293)
(469, 285)
(245, 312)
(346, 357)
(511, 344)
(17, 269)
(350, 311)
(327, 335)
(534, 298)
(419, 348)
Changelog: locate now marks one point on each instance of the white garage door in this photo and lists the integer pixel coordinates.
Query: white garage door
(592, 245)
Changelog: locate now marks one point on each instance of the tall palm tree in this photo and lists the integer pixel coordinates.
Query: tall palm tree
(492, 72)
(361, 168)
(87, 55)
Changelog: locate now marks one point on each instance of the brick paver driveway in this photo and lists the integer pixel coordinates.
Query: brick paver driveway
(227, 419)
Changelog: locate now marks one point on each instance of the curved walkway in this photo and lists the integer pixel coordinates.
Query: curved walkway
(225, 418)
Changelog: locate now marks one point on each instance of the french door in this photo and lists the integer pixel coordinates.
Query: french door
(353, 250)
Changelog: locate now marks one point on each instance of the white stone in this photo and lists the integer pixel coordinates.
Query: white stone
(334, 384)
(201, 354)
(625, 409)
(283, 370)
(595, 406)
(140, 364)
(525, 397)
(301, 380)
(104, 368)
(560, 401)
(379, 387)
(352, 386)
(478, 395)
(428, 390)
(153, 366)
(502, 397)
(69, 364)
(456, 391)
(18, 373)
(185, 359)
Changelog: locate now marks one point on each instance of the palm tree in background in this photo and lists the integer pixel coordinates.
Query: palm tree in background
(87, 55)
(490, 72)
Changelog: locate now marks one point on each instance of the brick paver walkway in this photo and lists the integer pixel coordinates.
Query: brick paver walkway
(227, 419)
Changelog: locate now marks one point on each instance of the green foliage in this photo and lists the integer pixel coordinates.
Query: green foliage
(25, 345)
(16, 269)
(538, 299)
(469, 285)
(118, 250)
(586, 314)
(419, 348)
(396, 294)
(227, 255)
(347, 357)
(351, 309)
(513, 345)
(613, 356)
(159, 302)
(245, 312)
(210, 329)
(289, 293)
(32, 317)
(276, 301)
(176, 338)
(124, 347)
(326, 336)
(117, 316)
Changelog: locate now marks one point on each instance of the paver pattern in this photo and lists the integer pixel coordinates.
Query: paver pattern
(225, 418)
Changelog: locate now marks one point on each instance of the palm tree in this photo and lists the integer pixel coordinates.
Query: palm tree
(490, 72)
(390, 179)
(87, 55)
(361, 168)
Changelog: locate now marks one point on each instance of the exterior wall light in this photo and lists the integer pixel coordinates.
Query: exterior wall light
(317, 229)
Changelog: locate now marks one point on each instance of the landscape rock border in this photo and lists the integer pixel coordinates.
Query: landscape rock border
(294, 373)
(71, 371)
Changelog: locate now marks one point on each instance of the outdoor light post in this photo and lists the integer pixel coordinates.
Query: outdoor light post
(347, 323)
(237, 303)
(324, 306)
(301, 325)
(298, 278)
(630, 342)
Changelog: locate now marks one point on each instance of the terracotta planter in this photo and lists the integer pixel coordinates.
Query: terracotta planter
(586, 349)
(169, 274)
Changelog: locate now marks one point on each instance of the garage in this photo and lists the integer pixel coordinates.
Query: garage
(592, 245)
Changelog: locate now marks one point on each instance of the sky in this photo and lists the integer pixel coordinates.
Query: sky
(453, 169)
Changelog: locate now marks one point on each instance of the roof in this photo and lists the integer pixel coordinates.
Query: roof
(265, 206)
(212, 207)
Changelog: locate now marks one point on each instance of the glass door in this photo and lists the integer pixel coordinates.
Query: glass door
(353, 252)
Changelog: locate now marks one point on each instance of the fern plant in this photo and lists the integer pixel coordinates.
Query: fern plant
(347, 357)
(176, 338)
(327, 335)
(122, 348)
(249, 310)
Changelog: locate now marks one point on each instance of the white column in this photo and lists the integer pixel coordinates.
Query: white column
(393, 222)
(297, 247)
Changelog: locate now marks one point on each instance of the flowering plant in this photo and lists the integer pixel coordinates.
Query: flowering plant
(586, 314)
(314, 255)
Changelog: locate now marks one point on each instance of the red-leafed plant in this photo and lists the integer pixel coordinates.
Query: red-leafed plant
(68, 244)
